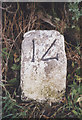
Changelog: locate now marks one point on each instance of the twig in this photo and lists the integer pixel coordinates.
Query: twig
(70, 44)
(14, 43)
(45, 18)
(7, 92)
(6, 9)
(67, 114)
(56, 112)
(31, 115)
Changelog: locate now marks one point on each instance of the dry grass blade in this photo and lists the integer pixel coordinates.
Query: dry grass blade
(6, 9)
(46, 18)
(15, 24)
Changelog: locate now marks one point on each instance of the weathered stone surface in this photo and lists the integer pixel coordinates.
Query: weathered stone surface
(43, 66)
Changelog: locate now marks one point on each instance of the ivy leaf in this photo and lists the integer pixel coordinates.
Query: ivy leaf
(13, 81)
(15, 67)
(75, 112)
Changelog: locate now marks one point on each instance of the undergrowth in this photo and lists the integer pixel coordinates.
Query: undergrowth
(15, 23)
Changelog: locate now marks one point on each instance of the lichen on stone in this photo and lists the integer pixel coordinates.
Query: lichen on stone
(43, 80)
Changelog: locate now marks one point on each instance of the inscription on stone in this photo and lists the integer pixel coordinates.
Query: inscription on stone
(43, 66)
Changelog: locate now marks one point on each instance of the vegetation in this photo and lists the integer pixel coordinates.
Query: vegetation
(18, 18)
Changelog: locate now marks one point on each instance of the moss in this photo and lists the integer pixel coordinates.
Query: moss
(48, 92)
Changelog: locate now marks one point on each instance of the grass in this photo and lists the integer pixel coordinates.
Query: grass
(15, 22)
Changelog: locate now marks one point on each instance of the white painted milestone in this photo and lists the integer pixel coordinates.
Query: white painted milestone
(43, 66)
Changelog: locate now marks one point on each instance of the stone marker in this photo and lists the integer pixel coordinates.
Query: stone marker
(43, 66)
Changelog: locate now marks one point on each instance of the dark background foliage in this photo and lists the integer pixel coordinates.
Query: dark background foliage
(18, 18)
